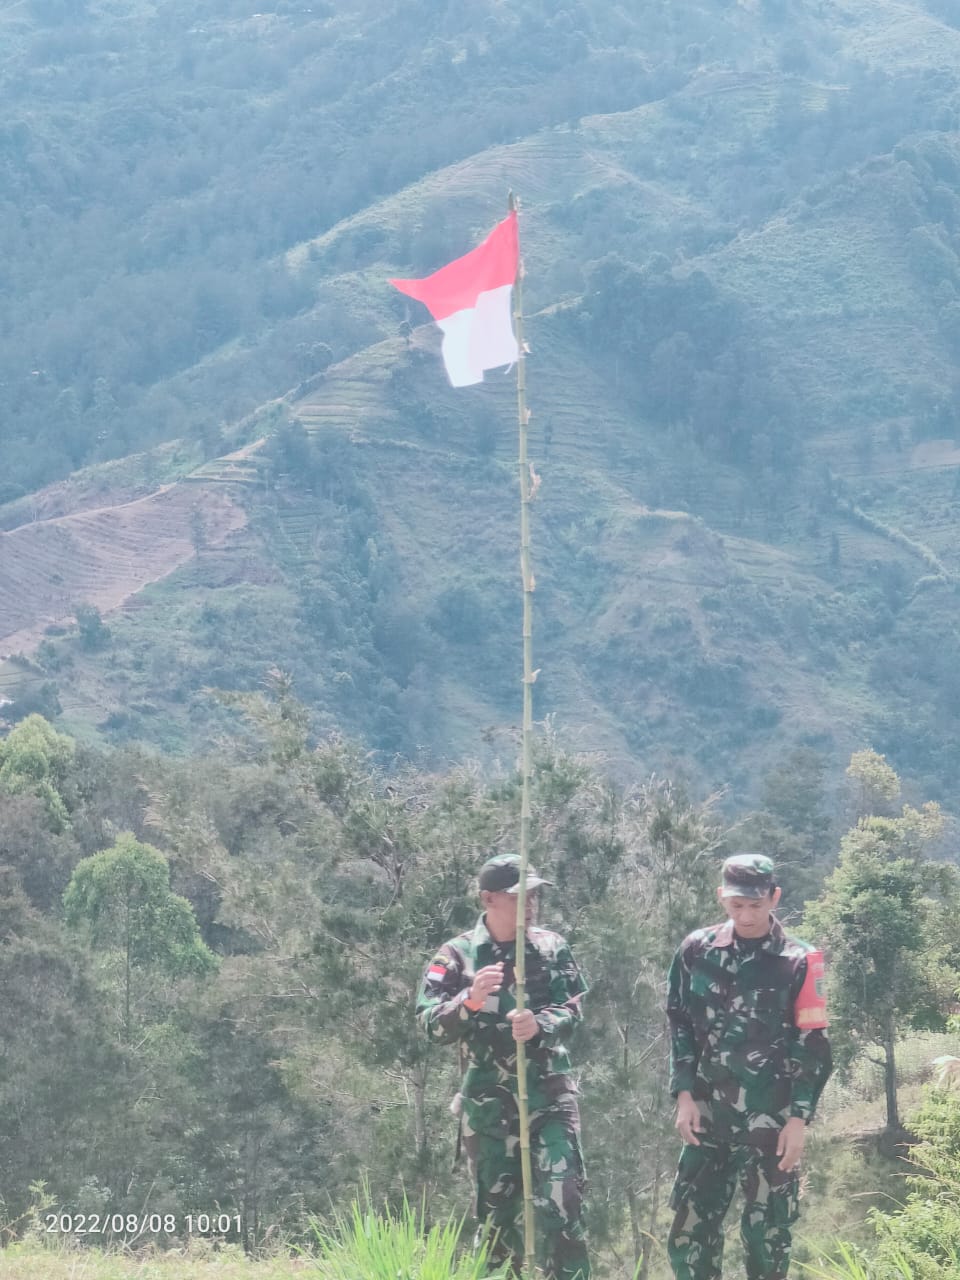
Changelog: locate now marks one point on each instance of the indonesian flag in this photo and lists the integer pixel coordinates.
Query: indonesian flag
(470, 301)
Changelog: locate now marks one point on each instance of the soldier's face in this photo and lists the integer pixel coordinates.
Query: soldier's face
(750, 916)
(501, 912)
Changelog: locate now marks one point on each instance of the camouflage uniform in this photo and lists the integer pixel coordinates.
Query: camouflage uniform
(488, 1094)
(753, 1053)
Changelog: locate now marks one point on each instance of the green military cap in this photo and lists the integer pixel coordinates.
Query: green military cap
(501, 874)
(748, 875)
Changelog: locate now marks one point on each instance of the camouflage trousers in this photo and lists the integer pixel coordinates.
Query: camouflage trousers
(492, 1143)
(706, 1181)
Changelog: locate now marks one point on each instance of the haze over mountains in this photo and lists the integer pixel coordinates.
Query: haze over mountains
(741, 227)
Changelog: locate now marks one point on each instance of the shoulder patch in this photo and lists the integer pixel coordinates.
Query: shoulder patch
(444, 963)
(810, 1006)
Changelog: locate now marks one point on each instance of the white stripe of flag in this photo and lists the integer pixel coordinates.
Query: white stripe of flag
(470, 300)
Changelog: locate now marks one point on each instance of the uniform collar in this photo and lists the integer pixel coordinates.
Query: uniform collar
(482, 935)
(724, 936)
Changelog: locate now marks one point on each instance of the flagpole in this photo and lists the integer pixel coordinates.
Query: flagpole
(526, 573)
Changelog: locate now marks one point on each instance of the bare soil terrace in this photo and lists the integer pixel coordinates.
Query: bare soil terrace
(104, 555)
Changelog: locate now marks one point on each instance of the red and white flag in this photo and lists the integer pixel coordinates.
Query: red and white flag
(470, 301)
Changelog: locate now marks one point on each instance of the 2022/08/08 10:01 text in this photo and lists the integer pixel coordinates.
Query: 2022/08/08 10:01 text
(141, 1224)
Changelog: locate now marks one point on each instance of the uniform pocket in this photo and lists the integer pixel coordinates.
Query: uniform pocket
(693, 1172)
(486, 1115)
(785, 1203)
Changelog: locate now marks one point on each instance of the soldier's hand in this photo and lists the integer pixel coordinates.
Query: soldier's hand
(790, 1144)
(524, 1024)
(486, 982)
(688, 1122)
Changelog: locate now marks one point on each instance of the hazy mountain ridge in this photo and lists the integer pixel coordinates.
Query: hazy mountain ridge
(740, 229)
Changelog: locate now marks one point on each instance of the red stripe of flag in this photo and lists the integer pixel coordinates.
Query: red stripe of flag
(458, 285)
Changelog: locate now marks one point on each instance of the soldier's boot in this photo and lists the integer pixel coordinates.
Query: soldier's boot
(566, 1255)
(503, 1221)
(498, 1254)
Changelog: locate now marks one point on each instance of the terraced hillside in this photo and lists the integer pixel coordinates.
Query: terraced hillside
(742, 245)
(103, 556)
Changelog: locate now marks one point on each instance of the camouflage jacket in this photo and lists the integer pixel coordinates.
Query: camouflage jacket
(554, 988)
(743, 1042)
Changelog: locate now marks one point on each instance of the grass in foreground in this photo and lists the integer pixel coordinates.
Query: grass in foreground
(34, 1262)
(363, 1245)
(367, 1245)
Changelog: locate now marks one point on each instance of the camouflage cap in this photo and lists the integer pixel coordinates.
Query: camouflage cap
(501, 874)
(748, 875)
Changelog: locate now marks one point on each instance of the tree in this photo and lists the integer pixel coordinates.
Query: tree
(58, 1063)
(36, 758)
(883, 918)
(40, 858)
(793, 792)
(877, 782)
(93, 633)
(121, 899)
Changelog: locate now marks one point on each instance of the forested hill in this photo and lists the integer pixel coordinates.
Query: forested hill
(741, 228)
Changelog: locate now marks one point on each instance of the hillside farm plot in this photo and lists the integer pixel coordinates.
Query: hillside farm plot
(103, 556)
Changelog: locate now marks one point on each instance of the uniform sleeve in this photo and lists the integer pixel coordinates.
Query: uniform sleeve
(811, 1059)
(441, 1012)
(567, 989)
(684, 1053)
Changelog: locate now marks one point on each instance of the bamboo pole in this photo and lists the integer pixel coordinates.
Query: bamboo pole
(526, 573)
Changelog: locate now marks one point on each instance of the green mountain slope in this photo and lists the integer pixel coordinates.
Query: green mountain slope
(741, 235)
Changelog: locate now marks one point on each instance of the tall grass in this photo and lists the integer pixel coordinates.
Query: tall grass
(369, 1245)
(849, 1263)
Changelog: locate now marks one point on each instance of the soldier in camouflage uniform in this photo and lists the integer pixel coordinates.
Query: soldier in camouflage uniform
(468, 997)
(749, 1059)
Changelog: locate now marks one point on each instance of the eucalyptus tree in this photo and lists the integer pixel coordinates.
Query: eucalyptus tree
(120, 899)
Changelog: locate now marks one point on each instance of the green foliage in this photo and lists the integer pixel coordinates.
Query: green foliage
(122, 897)
(882, 917)
(659, 887)
(120, 900)
(890, 955)
(34, 757)
(920, 1241)
(306, 885)
(60, 1069)
(382, 1246)
(93, 633)
(160, 279)
(926, 1235)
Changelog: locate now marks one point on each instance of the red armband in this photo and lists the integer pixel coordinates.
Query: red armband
(810, 1006)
